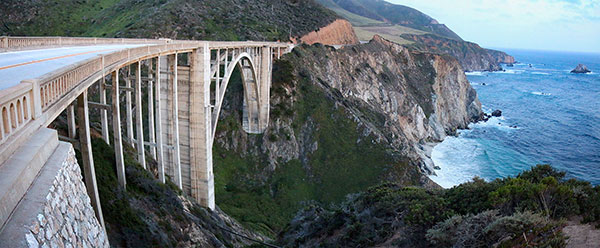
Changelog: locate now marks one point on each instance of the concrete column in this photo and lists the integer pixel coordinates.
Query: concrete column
(104, 112)
(202, 178)
(71, 121)
(117, 139)
(175, 102)
(159, 134)
(264, 85)
(139, 126)
(89, 173)
(128, 112)
(151, 130)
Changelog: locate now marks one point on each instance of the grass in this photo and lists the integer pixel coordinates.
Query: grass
(344, 162)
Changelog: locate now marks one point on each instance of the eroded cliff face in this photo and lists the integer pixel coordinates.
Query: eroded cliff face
(339, 32)
(402, 97)
(341, 121)
(470, 55)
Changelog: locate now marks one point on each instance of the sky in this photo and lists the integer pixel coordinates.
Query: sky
(556, 25)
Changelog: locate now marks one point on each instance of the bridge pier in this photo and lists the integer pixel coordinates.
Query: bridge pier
(89, 173)
(158, 116)
(201, 167)
(139, 128)
(116, 120)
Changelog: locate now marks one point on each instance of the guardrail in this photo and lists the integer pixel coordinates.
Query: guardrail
(34, 103)
(10, 43)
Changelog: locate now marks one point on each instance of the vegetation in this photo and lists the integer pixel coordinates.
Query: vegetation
(266, 200)
(526, 210)
(177, 19)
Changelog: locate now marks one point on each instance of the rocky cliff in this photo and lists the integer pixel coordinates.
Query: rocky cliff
(339, 32)
(501, 57)
(470, 55)
(341, 120)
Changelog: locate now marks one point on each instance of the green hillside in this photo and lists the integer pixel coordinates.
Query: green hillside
(387, 13)
(178, 19)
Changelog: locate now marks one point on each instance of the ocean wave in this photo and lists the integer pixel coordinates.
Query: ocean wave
(541, 93)
(540, 73)
(494, 122)
(475, 73)
(510, 71)
(461, 166)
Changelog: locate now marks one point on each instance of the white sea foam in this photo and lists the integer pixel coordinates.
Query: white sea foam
(475, 73)
(461, 166)
(540, 73)
(541, 93)
(510, 71)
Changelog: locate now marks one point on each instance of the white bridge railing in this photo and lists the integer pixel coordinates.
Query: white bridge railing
(34, 103)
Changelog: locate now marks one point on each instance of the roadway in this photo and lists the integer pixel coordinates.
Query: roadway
(19, 65)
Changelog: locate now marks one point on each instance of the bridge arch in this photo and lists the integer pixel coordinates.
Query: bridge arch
(250, 81)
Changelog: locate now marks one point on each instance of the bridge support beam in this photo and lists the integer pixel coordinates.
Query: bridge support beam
(103, 112)
(264, 87)
(89, 172)
(117, 139)
(172, 60)
(202, 178)
(159, 135)
(139, 126)
(151, 130)
(128, 109)
(71, 121)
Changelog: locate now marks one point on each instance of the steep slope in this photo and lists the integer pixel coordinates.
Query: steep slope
(471, 56)
(416, 30)
(341, 121)
(525, 211)
(383, 11)
(181, 19)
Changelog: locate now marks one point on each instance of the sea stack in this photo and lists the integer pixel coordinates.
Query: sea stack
(581, 69)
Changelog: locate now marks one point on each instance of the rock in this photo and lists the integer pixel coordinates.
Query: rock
(436, 167)
(497, 113)
(581, 69)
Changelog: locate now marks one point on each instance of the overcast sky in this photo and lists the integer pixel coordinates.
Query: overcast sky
(562, 25)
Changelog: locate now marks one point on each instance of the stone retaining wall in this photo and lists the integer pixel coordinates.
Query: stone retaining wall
(56, 212)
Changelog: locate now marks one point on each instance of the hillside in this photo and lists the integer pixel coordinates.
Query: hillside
(393, 14)
(526, 211)
(177, 19)
(409, 27)
(341, 121)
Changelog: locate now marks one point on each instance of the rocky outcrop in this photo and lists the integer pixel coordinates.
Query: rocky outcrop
(470, 55)
(581, 69)
(501, 57)
(339, 32)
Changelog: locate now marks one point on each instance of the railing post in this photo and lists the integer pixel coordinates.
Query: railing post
(4, 43)
(36, 97)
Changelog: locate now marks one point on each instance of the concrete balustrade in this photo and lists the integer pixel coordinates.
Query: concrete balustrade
(184, 102)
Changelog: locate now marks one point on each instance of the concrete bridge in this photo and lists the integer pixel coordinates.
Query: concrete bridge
(184, 82)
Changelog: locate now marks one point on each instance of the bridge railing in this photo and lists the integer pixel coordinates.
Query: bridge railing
(9, 43)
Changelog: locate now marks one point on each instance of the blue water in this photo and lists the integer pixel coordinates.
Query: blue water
(556, 114)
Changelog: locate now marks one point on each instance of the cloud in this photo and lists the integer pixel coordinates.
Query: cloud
(539, 24)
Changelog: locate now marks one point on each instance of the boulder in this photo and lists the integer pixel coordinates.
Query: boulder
(497, 113)
(581, 69)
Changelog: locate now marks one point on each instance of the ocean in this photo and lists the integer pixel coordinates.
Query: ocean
(549, 116)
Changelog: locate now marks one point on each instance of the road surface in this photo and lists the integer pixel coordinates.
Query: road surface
(29, 64)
